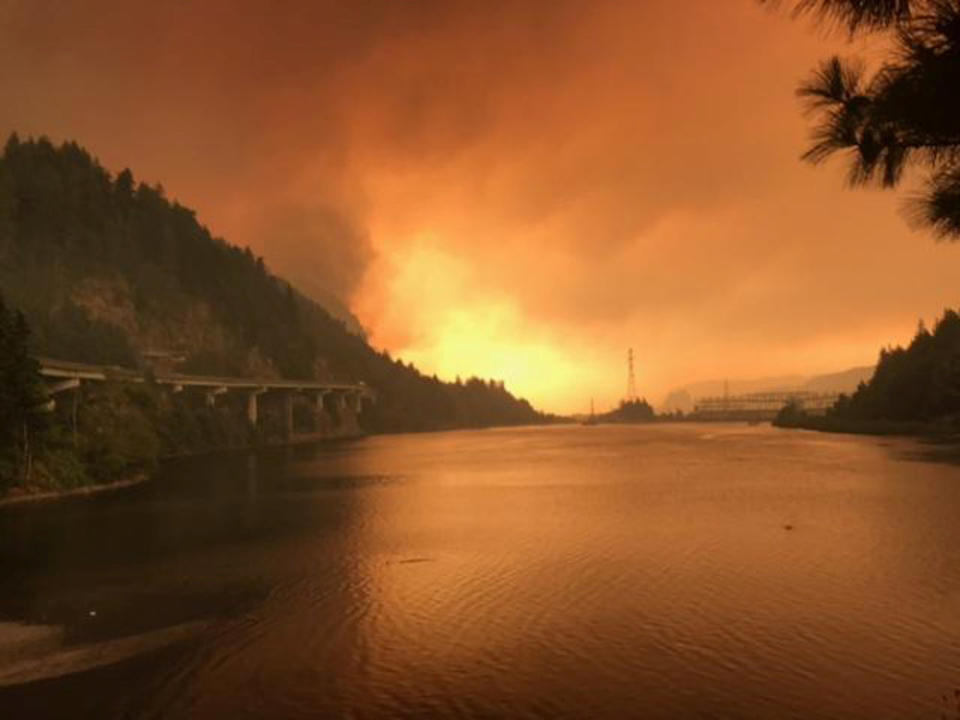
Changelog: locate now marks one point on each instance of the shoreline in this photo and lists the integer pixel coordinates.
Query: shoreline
(875, 428)
(20, 497)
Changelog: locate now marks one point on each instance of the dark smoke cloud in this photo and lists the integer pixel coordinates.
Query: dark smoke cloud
(517, 189)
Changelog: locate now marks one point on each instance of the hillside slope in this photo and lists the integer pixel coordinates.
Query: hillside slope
(108, 270)
(914, 389)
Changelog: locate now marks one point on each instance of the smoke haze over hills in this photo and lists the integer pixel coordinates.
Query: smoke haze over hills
(846, 381)
(517, 190)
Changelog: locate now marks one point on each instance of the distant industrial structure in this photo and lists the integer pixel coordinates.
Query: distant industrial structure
(761, 406)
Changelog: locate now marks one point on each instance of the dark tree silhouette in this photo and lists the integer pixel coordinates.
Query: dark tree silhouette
(906, 114)
(916, 384)
(21, 398)
(858, 15)
(631, 411)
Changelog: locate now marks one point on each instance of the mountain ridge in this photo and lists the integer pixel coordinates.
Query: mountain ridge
(107, 270)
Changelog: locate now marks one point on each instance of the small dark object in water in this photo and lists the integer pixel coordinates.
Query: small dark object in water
(788, 527)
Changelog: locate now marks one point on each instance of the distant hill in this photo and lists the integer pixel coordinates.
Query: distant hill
(629, 412)
(845, 381)
(108, 270)
(336, 307)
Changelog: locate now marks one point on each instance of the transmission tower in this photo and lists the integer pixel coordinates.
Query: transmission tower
(631, 378)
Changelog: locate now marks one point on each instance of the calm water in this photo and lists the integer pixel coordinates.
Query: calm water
(566, 572)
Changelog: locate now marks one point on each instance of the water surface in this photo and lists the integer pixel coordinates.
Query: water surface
(565, 572)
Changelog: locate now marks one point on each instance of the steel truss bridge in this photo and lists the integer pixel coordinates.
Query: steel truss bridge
(761, 405)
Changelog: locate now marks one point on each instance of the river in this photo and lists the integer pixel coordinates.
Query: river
(669, 571)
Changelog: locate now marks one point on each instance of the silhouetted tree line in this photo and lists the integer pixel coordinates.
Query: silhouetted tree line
(22, 419)
(919, 382)
(65, 221)
(917, 385)
(631, 411)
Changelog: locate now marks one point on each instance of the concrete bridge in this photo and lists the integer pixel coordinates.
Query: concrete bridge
(61, 376)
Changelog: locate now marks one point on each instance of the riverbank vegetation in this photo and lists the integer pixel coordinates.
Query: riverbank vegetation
(107, 270)
(914, 390)
(101, 433)
(630, 411)
(22, 421)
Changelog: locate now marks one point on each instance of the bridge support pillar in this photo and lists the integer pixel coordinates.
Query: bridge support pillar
(252, 405)
(73, 414)
(318, 401)
(322, 422)
(60, 386)
(211, 395)
(346, 405)
(288, 414)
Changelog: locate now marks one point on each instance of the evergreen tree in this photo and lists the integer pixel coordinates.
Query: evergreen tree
(21, 398)
(907, 114)
(916, 384)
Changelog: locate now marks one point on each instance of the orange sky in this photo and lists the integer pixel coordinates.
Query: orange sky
(516, 190)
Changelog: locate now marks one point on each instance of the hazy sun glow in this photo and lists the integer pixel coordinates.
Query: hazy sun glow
(517, 191)
(463, 336)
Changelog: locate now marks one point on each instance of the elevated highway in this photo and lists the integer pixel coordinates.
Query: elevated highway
(62, 376)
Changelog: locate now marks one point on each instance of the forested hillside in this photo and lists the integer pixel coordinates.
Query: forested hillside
(919, 382)
(912, 388)
(108, 270)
